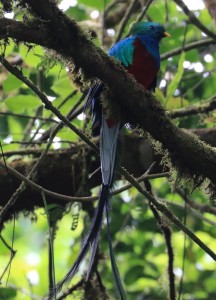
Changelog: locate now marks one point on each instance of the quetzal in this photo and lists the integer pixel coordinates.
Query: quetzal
(139, 54)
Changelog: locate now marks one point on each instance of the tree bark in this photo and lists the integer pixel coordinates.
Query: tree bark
(65, 178)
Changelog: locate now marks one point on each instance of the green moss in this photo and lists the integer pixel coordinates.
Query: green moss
(180, 175)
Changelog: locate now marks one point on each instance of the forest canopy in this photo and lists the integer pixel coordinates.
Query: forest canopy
(163, 203)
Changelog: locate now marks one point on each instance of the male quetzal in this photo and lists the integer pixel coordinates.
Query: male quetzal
(139, 54)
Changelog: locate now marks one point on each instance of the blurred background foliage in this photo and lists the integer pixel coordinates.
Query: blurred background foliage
(185, 79)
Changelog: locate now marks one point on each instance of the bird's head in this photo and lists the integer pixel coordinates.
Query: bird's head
(149, 28)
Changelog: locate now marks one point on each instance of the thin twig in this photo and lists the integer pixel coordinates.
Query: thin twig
(160, 206)
(29, 151)
(46, 134)
(196, 85)
(66, 198)
(12, 246)
(24, 291)
(64, 101)
(203, 208)
(28, 117)
(163, 209)
(40, 189)
(167, 11)
(144, 10)
(103, 17)
(166, 231)
(140, 179)
(188, 47)
(32, 173)
(12, 200)
(194, 19)
(73, 113)
(13, 253)
(195, 213)
(3, 156)
(70, 290)
(193, 110)
(167, 236)
(28, 129)
(48, 105)
(184, 255)
(125, 20)
(52, 280)
(39, 142)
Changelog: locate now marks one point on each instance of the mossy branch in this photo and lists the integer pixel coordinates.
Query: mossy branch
(137, 105)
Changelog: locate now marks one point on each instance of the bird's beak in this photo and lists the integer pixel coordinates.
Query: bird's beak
(166, 34)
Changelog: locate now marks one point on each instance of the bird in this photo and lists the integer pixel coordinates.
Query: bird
(139, 54)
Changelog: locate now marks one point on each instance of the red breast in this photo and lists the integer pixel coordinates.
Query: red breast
(144, 67)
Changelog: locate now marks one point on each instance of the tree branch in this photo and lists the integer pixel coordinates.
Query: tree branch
(125, 20)
(194, 19)
(163, 209)
(184, 148)
(194, 45)
(193, 110)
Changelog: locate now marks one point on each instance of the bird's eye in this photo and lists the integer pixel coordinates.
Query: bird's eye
(152, 27)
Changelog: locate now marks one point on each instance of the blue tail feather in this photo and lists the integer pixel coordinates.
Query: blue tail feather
(108, 144)
(96, 226)
(115, 270)
(91, 240)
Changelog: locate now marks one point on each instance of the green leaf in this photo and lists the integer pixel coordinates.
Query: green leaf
(16, 127)
(21, 103)
(99, 4)
(4, 128)
(177, 78)
(11, 83)
(77, 12)
(31, 55)
(47, 63)
(53, 206)
(63, 86)
(46, 83)
(7, 293)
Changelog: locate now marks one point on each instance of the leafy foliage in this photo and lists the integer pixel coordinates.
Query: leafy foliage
(185, 79)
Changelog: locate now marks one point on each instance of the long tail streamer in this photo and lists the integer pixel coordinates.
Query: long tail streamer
(109, 132)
